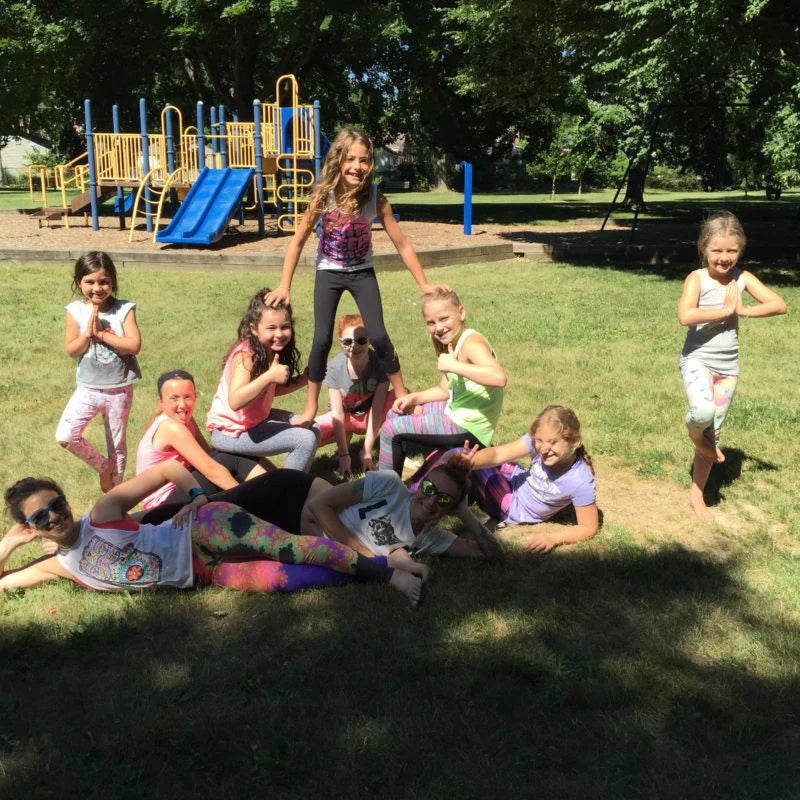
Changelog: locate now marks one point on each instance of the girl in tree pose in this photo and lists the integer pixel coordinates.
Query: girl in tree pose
(358, 393)
(102, 334)
(263, 363)
(560, 474)
(173, 435)
(206, 542)
(465, 404)
(711, 305)
(345, 202)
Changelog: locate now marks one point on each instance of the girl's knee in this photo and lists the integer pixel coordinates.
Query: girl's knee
(701, 417)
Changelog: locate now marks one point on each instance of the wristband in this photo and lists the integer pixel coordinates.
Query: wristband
(195, 491)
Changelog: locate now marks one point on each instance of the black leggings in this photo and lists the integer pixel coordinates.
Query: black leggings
(362, 284)
(277, 497)
(402, 443)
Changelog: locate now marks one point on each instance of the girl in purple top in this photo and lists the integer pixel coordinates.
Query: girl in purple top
(560, 474)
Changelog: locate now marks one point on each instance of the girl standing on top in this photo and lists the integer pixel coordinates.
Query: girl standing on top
(464, 405)
(711, 305)
(358, 392)
(345, 202)
(102, 334)
(263, 363)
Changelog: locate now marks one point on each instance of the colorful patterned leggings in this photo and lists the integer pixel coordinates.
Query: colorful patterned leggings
(235, 549)
(430, 429)
(84, 405)
(709, 395)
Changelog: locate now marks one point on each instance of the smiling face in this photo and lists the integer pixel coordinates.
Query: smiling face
(97, 287)
(437, 495)
(556, 452)
(352, 333)
(721, 255)
(444, 320)
(354, 166)
(177, 399)
(274, 329)
(60, 527)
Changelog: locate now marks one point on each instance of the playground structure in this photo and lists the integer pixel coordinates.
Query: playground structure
(273, 160)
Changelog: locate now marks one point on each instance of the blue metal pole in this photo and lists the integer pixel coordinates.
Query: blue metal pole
(317, 141)
(145, 161)
(259, 166)
(173, 197)
(87, 113)
(214, 137)
(201, 137)
(467, 198)
(223, 142)
(120, 193)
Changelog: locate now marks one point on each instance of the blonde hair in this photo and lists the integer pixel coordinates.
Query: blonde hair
(719, 223)
(349, 321)
(432, 297)
(565, 422)
(351, 201)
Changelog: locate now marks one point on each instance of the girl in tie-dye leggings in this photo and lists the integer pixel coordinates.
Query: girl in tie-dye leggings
(711, 305)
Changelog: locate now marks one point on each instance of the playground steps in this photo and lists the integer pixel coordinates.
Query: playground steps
(84, 201)
(51, 213)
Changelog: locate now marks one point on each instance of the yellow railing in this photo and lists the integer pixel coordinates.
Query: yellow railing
(297, 192)
(173, 177)
(147, 203)
(40, 171)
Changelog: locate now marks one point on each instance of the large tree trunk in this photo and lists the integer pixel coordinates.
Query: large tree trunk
(634, 191)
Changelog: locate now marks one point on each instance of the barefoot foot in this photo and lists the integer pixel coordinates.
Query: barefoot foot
(698, 504)
(410, 585)
(107, 477)
(415, 568)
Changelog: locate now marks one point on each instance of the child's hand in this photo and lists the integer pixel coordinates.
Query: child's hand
(367, 464)
(732, 297)
(430, 288)
(278, 373)
(19, 534)
(470, 450)
(447, 361)
(345, 465)
(277, 297)
(543, 542)
(49, 548)
(404, 404)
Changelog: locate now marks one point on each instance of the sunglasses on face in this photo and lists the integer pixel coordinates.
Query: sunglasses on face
(41, 517)
(362, 340)
(428, 488)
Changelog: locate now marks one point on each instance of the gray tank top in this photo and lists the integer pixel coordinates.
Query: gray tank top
(714, 344)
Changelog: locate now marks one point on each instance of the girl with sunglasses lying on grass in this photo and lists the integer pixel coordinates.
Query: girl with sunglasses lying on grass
(206, 542)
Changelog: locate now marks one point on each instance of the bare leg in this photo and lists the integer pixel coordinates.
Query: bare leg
(312, 404)
(704, 445)
(398, 384)
(701, 469)
(107, 476)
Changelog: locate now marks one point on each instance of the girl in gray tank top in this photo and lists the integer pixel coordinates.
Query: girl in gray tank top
(711, 304)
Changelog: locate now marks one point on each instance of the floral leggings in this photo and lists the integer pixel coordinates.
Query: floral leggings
(235, 549)
(709, 395)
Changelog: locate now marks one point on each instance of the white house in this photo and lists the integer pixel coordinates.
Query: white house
(14, 155)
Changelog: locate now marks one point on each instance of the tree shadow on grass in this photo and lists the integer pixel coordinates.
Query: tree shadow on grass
(619, 674)
(729, 471)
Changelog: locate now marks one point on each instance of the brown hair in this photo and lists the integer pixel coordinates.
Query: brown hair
(566, 423)
(289, 356)
(431, 297)
(351, 201)
(17, 494)
(719, 223)
(90, 262)
(349, 321)
(457, 468)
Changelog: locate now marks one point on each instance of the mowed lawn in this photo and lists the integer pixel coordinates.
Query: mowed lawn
(613, 669)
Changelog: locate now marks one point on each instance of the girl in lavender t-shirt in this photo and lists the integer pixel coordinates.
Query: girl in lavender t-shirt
(560, 474)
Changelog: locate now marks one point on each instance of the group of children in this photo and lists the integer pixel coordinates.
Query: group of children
(453, 421)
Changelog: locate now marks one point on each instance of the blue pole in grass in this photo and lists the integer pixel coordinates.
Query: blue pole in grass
(120, 193)
(201, 138)
(259, 165)
(145, 161)
(87, 113)
(317, 141)
(467, 198)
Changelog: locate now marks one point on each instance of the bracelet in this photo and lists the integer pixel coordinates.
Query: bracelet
(344, 455)
(194, 492)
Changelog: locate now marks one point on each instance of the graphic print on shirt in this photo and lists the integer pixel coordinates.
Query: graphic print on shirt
(383, 531)
(345, 240)
(539, 481)
(125, 566)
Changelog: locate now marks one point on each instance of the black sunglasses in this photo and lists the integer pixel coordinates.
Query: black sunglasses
(40, 518)
(358, 340)
(429, 489)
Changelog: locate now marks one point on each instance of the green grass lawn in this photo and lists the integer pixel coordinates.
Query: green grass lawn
(618, 668)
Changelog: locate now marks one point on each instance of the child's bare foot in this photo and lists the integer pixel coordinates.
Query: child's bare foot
(410, 585)
(107, 477)
(415, 568)
(720, 456)
(698, 504)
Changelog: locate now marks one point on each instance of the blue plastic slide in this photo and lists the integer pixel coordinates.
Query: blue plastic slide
(208, 207)
(127, 202)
